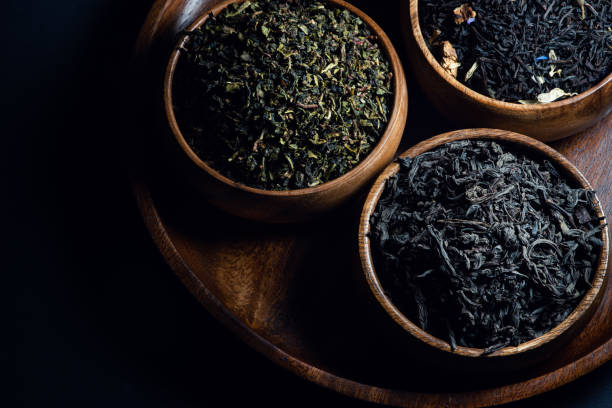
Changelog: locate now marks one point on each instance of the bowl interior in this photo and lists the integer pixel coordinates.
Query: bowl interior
(395, 118)
(413, 9)
(529, 146)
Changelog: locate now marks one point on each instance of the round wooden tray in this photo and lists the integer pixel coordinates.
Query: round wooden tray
(295, 293)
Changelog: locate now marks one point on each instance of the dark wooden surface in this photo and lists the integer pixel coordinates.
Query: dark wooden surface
(294, 292)
(99, 319)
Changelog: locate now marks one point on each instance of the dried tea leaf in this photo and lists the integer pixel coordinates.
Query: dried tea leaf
(450, 61)
(464, 13)
(581, 4)
(583, 216)
(515, 40)
(434, 37)
(471, 71)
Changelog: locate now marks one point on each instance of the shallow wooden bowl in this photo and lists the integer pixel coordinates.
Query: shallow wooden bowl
(546, 122)
(468, 358)
(292, 205)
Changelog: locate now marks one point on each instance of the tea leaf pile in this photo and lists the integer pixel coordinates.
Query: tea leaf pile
(483, 247)
(509, 44)
(282, 94)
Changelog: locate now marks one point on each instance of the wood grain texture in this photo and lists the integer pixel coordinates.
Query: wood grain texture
(296, 293)
(525, 354)
(546, 122)
(292, 205)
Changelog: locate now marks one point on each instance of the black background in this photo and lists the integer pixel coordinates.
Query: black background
(100, 318)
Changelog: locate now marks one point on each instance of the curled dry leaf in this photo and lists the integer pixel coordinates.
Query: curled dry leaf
(538, 80)
(581, 4)
(450, 62)
(464, 13)
(434, 37)
(471, 71)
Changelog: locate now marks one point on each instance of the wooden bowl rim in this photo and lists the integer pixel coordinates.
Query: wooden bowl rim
(481, 98)
(503, 136)
(400, 97)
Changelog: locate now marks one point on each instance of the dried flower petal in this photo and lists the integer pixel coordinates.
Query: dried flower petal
(464, 13)
(553, 68)
(553, 71)
(553, 95)
(450, 61)
(548, 97)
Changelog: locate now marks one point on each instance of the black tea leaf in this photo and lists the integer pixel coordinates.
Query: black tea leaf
(482, 246)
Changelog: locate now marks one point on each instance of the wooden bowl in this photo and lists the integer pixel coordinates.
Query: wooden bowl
(544, 122)
(291, 205)
(514, 357)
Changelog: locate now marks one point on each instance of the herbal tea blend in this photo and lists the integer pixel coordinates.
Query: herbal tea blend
(482, 246)
(526, 51)
(282, 94)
